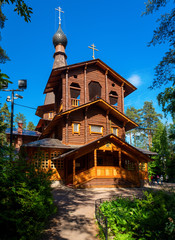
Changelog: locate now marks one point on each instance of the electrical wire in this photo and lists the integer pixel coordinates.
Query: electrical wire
(25, 106)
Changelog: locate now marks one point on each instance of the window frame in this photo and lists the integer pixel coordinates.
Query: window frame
(112, 128)
(91, 132)
(75, 132)
(50, 115)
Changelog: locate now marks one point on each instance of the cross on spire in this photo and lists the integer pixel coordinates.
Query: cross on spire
(60, 11)
(93, 47)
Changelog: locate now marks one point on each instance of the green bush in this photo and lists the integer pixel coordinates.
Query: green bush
(26, 201)
(152, 217)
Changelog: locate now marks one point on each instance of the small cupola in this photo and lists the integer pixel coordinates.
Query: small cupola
(59, 38)
(60, 43)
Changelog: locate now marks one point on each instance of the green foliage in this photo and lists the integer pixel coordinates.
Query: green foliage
(164, 71)
(152, 217)
(31, 126)
(3, 127)
(159, 145)
(6, 116)
(24, 11)
(22, 118)
(167, 100)
(25, 198)
(148, 120)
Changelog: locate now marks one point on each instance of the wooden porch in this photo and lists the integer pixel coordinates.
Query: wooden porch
(103, 168)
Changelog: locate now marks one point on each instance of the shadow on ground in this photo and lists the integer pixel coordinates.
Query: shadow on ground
(75, 217)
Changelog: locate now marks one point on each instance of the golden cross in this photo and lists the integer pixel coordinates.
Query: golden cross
(60, 11)
(93, 47)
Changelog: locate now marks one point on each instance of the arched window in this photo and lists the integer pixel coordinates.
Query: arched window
(94, 90)
(75, 94)
(113, 98)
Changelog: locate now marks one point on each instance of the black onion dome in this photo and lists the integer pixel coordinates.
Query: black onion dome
(59, 37)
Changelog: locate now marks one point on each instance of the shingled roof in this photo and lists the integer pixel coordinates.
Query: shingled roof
(47, 143)
(24, 132)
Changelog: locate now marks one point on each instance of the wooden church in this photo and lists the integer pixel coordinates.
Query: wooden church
(83, 125)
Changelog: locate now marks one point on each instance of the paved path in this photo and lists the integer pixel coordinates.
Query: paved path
(75, 218)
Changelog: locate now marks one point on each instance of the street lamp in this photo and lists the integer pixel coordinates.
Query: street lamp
(22, 84)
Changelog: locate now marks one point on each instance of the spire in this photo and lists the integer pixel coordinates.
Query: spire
(60, 43)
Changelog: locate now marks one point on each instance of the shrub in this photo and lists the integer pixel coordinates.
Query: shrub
(152, 217)
(26, 201)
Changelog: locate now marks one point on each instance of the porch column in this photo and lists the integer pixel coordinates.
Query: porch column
(74, 171)
(95, 161)
(146, 167)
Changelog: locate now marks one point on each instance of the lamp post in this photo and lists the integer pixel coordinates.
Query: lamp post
(22, 84)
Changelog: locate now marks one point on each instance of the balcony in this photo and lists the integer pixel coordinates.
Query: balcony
(75, 102)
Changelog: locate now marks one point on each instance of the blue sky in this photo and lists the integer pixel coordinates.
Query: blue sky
(115, 27)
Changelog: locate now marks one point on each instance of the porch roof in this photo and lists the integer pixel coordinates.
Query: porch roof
(129, 124)
(110, 138)
(47, 143)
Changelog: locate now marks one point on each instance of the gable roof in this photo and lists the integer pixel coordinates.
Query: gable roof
(129, 124)
(56, 75)
(110, 138)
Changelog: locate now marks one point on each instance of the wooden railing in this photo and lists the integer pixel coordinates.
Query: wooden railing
(75, 102)
(85, 176)
(106, 172)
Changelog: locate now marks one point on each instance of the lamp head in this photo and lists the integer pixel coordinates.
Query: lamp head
(4, 85)
(18, 96)
(8, 99)
(22, 84)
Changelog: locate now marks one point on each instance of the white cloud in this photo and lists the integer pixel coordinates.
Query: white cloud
(135, 80)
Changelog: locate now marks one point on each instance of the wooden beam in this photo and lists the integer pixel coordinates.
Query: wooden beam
(106, 85)
(67, 130)
(85, 84)
(107, 122)
(95, 161)
(67, 90)
(120, 158)
(74, 172)
(86, 126)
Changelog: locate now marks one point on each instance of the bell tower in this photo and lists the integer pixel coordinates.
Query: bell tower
(60, 43)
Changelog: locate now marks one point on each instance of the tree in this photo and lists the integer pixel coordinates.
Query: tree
(5, 114)
(2, 131)
(149, 120)
(22, 118)
(161, 146)
(164, 71)
(134, 115)
(31, 126)
(24, 11)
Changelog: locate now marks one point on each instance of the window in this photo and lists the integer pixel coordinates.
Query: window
(129, 165)
(114, 130)
(57, 163)
(51, 115)
(94, 90)
(75, 94)
(113, 98)
(96, 129)
(75, 128)
(41, 159)
(142, 167)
